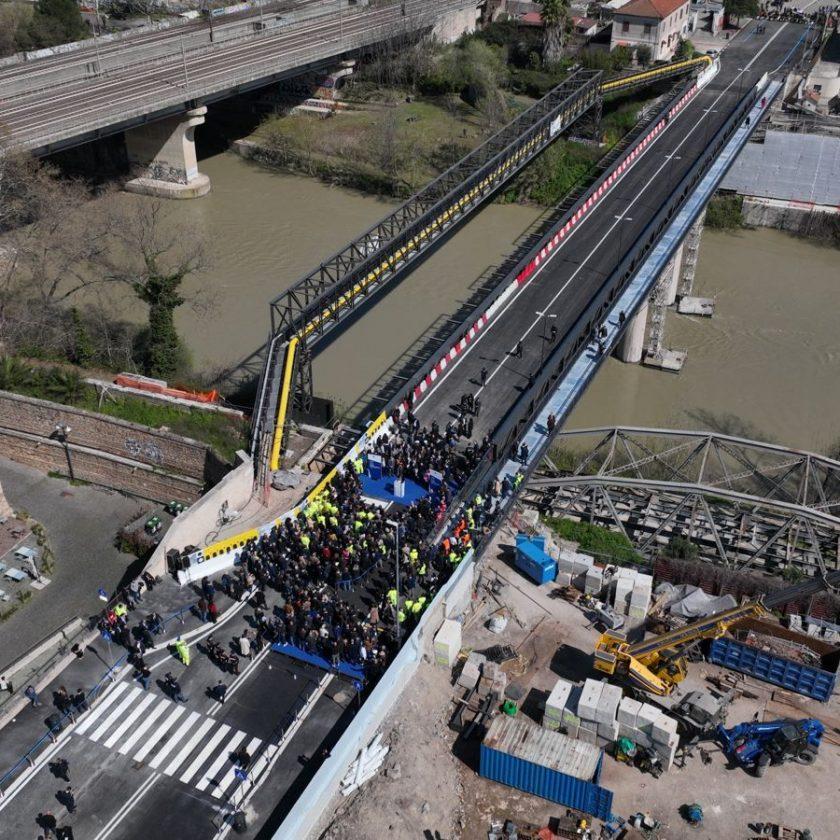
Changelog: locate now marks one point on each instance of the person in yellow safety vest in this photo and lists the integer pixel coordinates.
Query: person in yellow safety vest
(305, 540)
(454, 558)
(401, 616)
(408, 606)
(359, 466)
(470, 518)
(322, 520)
(413, 555)
(120, 610)
(417, 606)
(358, 525)
(392, 597)
(182, 651)
(479, 501)
(517, 480)
(422, 570)
(334, 521)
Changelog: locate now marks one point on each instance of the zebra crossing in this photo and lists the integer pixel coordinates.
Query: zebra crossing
(191, 747)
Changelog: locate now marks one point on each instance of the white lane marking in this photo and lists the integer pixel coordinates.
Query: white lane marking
(100, 707)
(182, 755)
(144, 703)
(582, 265)
(140, 731)
(205, 753)
(224, 755)
(159, 733)
(230, 776)
(115, 714)
(27, 775)
(174, 740)
(130, 803)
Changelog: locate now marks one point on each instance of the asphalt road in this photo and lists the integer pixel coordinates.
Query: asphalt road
(565, 283)
(43, 116)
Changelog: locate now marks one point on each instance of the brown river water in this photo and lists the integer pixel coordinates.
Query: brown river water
(766, 364)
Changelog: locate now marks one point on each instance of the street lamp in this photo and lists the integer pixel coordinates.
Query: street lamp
(396, 527)
(61, 433)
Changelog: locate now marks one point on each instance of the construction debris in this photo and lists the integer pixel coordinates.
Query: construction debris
(365, 767)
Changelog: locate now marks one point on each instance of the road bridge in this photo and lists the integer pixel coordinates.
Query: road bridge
(157, 89)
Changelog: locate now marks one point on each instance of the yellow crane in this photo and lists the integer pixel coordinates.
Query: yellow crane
(658, 665)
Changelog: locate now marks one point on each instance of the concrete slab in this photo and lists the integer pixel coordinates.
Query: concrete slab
(689, 305)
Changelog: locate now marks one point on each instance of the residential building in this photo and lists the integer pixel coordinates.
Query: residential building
(656, 24)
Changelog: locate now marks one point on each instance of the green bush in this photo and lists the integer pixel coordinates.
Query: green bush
(606, 545)
(724, 212)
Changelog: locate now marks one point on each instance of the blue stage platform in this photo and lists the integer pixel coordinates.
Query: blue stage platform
(354, 672)
(383, 488)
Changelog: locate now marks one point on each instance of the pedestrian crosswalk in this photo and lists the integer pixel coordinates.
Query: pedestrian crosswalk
(171, 739)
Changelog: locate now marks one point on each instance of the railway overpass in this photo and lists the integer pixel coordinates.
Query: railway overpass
(156, 86)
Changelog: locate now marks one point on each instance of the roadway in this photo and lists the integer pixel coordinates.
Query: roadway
(38, 118)
(564, 283)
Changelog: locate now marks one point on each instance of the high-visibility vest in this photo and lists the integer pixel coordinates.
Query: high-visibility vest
(454, 559)
(418, 605)
(422, 570)
(518, 480)
(409, 604)
(413, 555)
(359, 466)
(334, 521)
(478, 500)
(120, 610)
(392, 597)
(358, 525)
(322, 520)
(401, 616)
(305, 540)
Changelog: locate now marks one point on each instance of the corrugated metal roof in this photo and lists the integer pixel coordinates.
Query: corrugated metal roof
(529, 742)
(789, 167)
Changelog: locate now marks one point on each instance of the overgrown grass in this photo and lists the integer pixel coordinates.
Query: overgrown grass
(606, 545)
(724, 212)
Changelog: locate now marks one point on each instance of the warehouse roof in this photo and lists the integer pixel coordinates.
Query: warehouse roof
(789, 167)
(529, 742)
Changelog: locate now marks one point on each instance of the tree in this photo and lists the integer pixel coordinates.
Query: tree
(738, 8)
(153, 257)
(643, 55)
(555, 16)
(56, 22)
(685, 49)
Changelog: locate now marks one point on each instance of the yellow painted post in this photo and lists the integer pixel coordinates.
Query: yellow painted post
(283, 405)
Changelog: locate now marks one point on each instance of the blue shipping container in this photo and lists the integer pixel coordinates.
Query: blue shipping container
(527, 757)
(803, 679)
(532, 560)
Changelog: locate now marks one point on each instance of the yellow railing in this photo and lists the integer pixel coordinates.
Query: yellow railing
(283, 406)
(606, 87)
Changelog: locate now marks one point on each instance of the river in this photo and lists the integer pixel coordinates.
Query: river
(765, 364)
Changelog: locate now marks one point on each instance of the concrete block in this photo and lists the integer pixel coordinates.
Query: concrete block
(637, 613)
(594, 581)
(589, 725)
(608, 730)
(664, 729)
(588, 736)
(471, 672)
(608, 703)
(558, 698)
(571, 730)
(635, 735)
(589, 698)
(551, 723)
(602, 743)
(583, 563)
(447, 643)
(565, 561)
(666, 754)
(628, 708)
(646, 717)
(563, 579)
(570, 712)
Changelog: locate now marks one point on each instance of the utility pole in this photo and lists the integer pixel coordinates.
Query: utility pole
(396, 527)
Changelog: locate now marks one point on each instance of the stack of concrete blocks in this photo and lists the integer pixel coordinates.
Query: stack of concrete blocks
(594, 582)
(571, 719)
(625, 579)
(469, 676)
(494, 679)
(556, 704)
(665, 739)
(447, 643)
(605, 716)
(649, 727)
(587, 711)
(640, 596)
(573, 569)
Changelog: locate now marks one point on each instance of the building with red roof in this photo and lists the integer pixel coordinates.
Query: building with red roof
(656, 24)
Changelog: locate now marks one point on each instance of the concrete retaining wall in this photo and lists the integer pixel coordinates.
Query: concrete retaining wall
(452, 25)
(314, 808)
(194, 526)
(803, 219)
(159, 449)
(98, 468)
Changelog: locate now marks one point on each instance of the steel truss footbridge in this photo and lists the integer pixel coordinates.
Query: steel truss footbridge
(743, 503)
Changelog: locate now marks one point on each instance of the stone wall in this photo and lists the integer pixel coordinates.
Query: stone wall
(99, 468)
(805, 220)
(159, 449)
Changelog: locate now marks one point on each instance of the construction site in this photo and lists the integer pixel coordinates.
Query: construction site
(577, 698)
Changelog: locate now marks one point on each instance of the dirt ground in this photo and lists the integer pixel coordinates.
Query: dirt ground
(430, 788)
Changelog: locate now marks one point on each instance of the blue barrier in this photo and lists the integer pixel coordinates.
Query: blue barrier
(354, 672)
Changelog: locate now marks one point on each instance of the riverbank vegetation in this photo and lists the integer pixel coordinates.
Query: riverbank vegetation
(66, 384)
(410, 112)
(724, 212)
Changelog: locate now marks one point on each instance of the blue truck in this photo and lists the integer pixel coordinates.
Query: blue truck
(756, 746)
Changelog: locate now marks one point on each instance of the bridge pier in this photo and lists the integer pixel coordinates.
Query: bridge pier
(632, 343)
(688, 304)
(164, 152)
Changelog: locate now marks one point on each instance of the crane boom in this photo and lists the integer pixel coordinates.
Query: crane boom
(658, 664)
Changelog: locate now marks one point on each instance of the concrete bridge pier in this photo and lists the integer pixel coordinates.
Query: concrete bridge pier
(689, 304)
(632, 343)
(164, 154)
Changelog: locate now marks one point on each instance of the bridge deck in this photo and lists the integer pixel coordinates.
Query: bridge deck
(566, 281)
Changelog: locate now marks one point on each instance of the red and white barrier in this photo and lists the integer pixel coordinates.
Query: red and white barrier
(545, 252)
